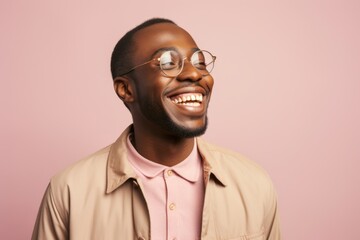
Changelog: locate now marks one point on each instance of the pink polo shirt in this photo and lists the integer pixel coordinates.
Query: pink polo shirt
(174, 195)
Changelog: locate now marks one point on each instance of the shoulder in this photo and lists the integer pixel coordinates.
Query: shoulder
(87, 171)
(70, 186)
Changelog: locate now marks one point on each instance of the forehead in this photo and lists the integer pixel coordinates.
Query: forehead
(162, 35)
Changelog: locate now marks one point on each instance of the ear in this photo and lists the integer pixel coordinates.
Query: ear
(124, 89)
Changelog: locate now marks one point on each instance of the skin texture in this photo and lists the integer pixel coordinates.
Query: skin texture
(163, 130)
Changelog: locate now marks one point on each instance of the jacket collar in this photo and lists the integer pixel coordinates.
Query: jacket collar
(119, 169)
(211, 164)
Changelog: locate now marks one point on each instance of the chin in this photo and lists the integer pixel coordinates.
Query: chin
(187, 132)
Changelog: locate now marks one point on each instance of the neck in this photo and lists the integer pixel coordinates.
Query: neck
(166, 150)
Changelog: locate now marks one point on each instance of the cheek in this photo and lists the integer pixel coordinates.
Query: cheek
(150, 92)
(212, 83)
(209, 82)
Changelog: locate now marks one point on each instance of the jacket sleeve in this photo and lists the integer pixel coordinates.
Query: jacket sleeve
(271, 221)
(50, 222)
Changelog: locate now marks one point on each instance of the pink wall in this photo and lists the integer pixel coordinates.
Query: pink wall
(287, 94)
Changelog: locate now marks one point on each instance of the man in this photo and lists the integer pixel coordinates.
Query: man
(158, 180)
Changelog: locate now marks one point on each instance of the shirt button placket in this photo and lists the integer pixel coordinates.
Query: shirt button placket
(172, 215)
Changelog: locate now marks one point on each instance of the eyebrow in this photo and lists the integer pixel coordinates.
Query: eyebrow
(170, 48)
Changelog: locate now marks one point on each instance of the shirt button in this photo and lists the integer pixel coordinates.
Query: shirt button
(172, 206)
(170, 172)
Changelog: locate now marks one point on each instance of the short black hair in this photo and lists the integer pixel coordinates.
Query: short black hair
(121, 55)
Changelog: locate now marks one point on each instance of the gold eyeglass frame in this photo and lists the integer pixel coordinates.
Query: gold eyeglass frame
(182, 64)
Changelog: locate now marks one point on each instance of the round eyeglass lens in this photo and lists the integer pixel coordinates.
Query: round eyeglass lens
(170, 63)
(204, 61)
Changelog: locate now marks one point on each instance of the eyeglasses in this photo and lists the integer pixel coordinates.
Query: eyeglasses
(172, 63)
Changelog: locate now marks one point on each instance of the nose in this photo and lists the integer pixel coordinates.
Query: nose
(189, 72)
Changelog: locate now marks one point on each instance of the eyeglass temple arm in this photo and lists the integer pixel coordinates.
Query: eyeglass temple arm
(132, 69)
(213, 60)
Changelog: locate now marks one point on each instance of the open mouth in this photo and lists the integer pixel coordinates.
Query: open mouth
(188, 99)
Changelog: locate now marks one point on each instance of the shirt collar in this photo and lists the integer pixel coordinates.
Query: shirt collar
(119, 170)
(189, 168)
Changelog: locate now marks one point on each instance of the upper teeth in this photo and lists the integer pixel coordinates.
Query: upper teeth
(188, 97)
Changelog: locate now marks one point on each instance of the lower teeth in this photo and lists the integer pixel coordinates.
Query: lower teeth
(190, 103)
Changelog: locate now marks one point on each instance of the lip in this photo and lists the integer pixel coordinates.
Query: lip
(189, 89)
(197, 110)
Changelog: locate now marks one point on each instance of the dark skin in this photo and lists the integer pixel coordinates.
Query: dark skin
(149, 94)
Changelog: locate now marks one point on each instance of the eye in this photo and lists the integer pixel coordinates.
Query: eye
(203, 60)
(167, 64)
(169, 60)
(198, 60)
(200, 65)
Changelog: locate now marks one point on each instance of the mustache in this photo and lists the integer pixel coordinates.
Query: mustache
(188, 84)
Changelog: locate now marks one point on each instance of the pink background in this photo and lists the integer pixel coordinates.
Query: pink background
(287, 94)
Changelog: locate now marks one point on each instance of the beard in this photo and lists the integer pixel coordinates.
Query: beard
(156, 114)
(183, 132)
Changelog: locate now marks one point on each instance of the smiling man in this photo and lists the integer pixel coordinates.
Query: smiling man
(159, 180)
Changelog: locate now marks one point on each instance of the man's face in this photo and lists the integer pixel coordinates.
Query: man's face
(157, 97)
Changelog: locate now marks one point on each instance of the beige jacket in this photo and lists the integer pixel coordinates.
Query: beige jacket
(100, 197)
